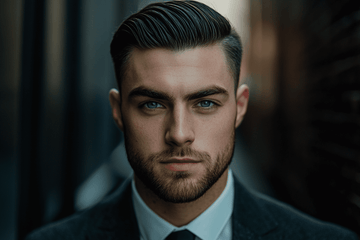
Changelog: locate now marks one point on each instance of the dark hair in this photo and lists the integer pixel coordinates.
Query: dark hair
(175, 25)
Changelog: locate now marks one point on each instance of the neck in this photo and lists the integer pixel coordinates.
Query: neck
(180, 214)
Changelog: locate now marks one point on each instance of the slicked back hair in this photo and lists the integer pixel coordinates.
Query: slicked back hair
(177, 26)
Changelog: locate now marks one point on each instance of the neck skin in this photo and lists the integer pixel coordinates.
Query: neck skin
(180, 214)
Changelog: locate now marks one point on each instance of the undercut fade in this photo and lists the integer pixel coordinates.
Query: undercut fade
(177, 26)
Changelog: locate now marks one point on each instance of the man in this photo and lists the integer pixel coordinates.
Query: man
(177, 65)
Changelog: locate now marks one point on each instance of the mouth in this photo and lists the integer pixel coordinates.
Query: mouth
(180, 164)
(180, 160)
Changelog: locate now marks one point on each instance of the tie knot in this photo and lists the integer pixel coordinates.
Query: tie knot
(181, 235)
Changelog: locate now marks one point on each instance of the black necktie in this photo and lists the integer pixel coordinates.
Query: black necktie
(181, 235)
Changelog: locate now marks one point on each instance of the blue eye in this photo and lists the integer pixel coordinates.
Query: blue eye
(152, 105)
(206, 104)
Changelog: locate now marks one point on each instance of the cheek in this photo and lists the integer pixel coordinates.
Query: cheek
(144, 133)
(214, 134)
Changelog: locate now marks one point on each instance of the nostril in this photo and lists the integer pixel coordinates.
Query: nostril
(179, 138)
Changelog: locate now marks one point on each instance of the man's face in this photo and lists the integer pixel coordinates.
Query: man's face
(178, 112)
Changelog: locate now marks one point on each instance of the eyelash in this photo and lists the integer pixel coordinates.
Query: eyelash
(212, 103)
(144, 105)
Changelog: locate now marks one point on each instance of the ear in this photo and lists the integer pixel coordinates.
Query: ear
(115, 102)
(242, 99)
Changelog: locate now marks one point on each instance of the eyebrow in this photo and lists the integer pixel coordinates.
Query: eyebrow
(206, 92)
(147, 92)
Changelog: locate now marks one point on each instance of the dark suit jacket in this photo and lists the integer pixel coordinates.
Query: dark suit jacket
(254, 217)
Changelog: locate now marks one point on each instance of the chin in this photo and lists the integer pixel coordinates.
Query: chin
(181, 187)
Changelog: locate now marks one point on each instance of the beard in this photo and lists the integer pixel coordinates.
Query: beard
(178, 187)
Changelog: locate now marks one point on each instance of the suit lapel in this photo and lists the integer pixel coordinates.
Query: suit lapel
(250, 219)
(118, 220)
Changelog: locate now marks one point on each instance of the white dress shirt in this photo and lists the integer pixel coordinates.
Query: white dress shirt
(213, 224)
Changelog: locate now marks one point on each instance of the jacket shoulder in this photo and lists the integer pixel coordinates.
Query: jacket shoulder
(73, 227)
(258, 215)
(293, 224)
(111, 217)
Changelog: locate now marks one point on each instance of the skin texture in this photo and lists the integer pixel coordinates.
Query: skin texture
(178, 112)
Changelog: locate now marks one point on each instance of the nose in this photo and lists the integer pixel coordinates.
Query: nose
(179, 130)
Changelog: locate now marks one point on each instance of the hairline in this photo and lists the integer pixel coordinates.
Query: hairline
(220, 43)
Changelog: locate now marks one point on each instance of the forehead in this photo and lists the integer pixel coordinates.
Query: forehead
(178, 71)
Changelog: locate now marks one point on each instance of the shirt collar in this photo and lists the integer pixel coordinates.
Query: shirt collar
(207, 225)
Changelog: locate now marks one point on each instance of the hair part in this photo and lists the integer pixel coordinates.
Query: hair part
(177, 26)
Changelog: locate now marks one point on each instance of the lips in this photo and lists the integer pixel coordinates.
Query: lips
(181, 160)
(180, 164)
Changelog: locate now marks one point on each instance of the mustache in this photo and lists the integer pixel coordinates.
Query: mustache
(182, 152)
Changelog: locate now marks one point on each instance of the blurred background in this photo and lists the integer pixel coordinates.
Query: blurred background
(60, 151)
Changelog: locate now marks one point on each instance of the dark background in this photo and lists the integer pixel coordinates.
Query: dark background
(299, 142)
